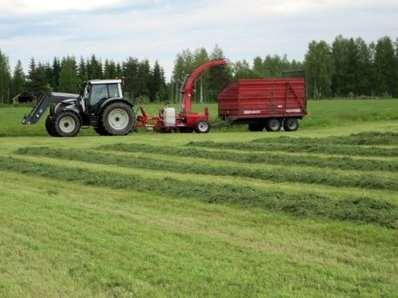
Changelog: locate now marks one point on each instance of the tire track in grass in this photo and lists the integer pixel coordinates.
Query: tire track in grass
(340, 163)
(363, 209)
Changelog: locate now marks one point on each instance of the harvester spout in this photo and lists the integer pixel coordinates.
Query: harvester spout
(189, 86)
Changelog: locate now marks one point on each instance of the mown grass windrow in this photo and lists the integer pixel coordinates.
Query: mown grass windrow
(273, 158)
(277, 174)
(363, 138)
(364, 209)
(331, 149)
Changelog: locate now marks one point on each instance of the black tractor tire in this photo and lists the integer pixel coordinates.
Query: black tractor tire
(67, 124)
(202, 127)
(256, 126)
(273, 125)
(117, 119)
(291, 124)
(50, 127)
(101, 131)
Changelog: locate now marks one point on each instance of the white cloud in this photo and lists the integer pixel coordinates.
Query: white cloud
(44, 6)
(244, 29)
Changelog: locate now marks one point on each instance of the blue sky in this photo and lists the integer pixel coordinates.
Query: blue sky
(159, 29)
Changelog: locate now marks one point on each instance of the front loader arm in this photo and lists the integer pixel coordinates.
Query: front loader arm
(38, 110)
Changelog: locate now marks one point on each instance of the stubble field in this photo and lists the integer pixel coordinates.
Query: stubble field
(230, 213)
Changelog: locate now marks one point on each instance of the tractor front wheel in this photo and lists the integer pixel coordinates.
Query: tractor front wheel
(117, 119)
(50, 127)
(202, 127)
(67, 124)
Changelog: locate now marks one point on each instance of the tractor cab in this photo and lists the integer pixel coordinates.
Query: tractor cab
(96, 92)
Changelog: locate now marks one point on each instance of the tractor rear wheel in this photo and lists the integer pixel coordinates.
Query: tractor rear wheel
(273, 125)
(202, 127)
(101, 131)
(117, 119)
(291, 124)
(256, 126)
(50, 127)
(67, 124)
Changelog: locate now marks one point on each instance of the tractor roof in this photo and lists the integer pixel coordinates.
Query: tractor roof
(95, 82)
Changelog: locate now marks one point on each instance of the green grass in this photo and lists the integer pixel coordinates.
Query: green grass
(228, 214)
(322, 114)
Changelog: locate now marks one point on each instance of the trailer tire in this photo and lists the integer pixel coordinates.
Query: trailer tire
(67, 124)
(256, 126)
(117, 119)
(291, 124)
(202, 127)
(50, 127)
(273, 125)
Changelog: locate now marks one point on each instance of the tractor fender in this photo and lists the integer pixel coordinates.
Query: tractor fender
(66, 105)
(113, 100)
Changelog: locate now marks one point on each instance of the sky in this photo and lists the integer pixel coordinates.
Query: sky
(159, 29)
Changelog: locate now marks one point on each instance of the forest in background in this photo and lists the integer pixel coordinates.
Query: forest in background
(346, 68)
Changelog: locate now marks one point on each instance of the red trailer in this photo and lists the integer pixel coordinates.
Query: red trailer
(264, 103)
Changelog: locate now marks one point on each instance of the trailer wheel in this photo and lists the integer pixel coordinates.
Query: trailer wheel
(291, 124)
(117, 119)
(256, 126)
(67, 124)
(202, 127)
(50, 127)
(273, 125)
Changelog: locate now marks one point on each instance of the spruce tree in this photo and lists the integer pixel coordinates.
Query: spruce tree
(68, 79)
(5, 79)
(18, 80)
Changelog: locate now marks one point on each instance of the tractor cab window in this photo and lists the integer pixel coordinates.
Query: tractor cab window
(98, 92)
(114, 90)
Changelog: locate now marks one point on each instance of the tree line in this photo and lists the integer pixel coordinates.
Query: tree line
(141, 79)
(347, 67)
(350, 68)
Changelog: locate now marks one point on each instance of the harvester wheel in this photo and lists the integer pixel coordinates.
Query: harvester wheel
(50, 127)
(202, 127)
(186, 129)
(117, 119)
(291, 124)
(256, 126)
(67, 124)
(273, 125)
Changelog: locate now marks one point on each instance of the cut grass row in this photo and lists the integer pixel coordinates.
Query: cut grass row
(330, 149)
(280, 174)
(332, 162)
(360, 209)
(363, 138)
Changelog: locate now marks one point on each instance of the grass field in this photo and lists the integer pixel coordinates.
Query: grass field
(228, 214)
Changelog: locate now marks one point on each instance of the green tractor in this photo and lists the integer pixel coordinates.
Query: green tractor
(100, 105)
